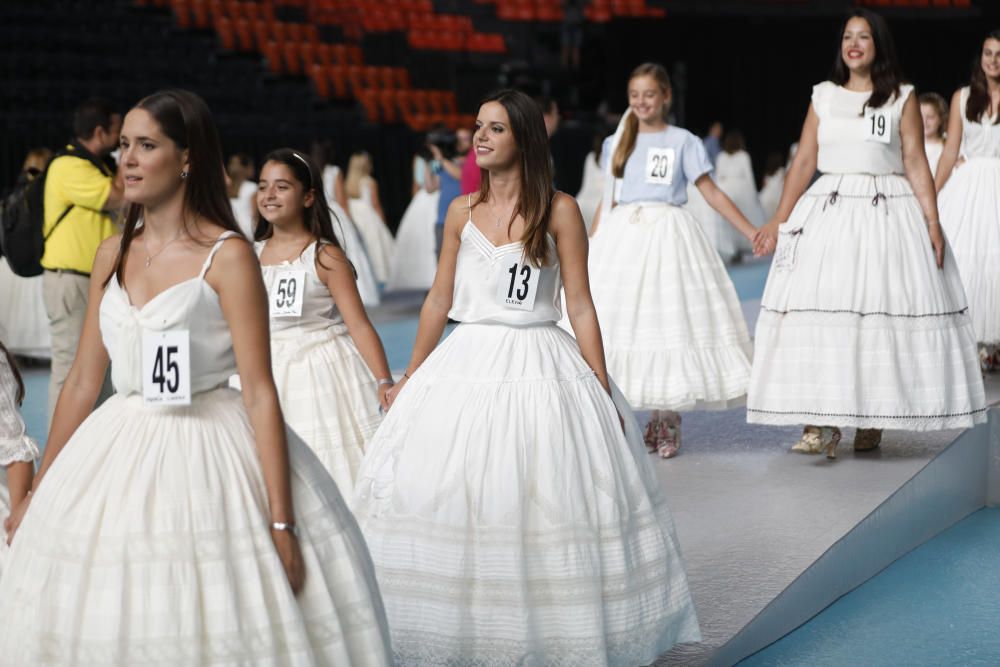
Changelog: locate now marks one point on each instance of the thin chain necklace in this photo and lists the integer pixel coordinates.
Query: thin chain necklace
(150, 258)
(493, 211)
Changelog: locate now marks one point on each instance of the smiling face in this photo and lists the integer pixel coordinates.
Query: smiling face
(281, 197)
(857, 45)
(647, 98)
(932, 121)
(152, 163)
(990, 59)
(494, 140)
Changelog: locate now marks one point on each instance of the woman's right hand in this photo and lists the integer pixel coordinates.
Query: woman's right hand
(287, 546)
(766, 239)
(13, 522)
(394, 390)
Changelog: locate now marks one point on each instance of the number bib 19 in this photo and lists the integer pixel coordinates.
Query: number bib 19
(660, 166)
(166, 368)
(287, 294)
(878, 126)
(517, 285)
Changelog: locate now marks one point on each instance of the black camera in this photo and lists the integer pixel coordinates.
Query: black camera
(444, 139)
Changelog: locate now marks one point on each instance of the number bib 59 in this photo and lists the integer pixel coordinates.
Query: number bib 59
(660, 166)
(166, 368)
(517, 284)
(287, 294)
(878, 126)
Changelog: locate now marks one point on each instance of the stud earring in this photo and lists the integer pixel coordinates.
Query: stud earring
(184, 174)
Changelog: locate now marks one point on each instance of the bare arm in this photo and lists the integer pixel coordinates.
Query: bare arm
(597, 218)
(797, 179)
(721, 202)
(19, 476)
(949, 154)
(918, 172)
(116, 198)
(235, 276)
(335, 271)
(432, 183)
(571, 243)
(434, 313)
(453, 167)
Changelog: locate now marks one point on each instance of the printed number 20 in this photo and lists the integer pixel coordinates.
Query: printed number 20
(522, 293)
(660, 166)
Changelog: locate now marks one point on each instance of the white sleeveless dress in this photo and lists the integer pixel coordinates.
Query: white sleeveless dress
(328, 395)
(15, 445)
(24, 324)
(149, 541)
(376, 235)
(350, 240)
(510, 521)
(970, 215)
(414, 258)
(858, 327)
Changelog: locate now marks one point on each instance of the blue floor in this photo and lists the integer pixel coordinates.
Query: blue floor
(939, 605)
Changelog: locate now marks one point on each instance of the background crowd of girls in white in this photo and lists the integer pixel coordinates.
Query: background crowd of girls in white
(163, 510)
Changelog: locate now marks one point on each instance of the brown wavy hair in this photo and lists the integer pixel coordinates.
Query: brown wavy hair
(978, 103)
(940, 106)
(627, 142)
(534, 204)
(186, 120)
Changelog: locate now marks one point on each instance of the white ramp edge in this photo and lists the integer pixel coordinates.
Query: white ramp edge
(960, 480)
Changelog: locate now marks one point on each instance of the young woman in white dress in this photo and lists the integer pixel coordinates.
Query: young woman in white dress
(17, 451)
(328, 362)
(863, 320)
(414, 257)
(510, 519)
(673, 328)
(970, 194)
(24, 324)
(734, 176)
(180, 522)
(934, 113)
(344, 228)
(366, 212)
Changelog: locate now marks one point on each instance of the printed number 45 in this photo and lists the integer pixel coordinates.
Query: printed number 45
(522, 293)
(166, 364)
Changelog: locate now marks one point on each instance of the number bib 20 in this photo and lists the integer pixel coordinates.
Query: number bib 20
(878, 126)
(517, 285)
(166, 368)
(660, 166)
(287, 294)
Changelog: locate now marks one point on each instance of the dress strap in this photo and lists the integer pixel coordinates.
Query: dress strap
(470, 207)
(215, 248)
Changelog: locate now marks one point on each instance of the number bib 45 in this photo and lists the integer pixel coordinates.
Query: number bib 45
(517, 284)
(287, 294)
(166, 368)
(878, 126)
(660, 166)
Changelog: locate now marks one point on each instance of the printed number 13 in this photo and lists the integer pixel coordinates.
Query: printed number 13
(522, 293)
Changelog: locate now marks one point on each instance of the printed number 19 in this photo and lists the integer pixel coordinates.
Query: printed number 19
(878, 126)
(159, 376)
(522, 293)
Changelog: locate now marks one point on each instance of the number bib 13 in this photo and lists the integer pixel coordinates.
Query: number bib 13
(660, 166)
(517, 284)
(287, 294)
(166, 368)
(878, 126)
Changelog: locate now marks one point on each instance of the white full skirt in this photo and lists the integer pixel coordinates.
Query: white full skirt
(328, 397)
(414, 259)
(149, 542)
(376, 236)
(510, 521)
(859, 327)
(673, 329)
(970, 216)
(24, 325)
(352, 245)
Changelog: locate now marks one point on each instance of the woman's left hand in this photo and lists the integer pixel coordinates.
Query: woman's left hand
(383, 396)
(937, 242)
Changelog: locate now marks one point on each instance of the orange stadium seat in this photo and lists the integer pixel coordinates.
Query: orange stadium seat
(227, 36)
(182, 12)
(244, 34)
(320, 81)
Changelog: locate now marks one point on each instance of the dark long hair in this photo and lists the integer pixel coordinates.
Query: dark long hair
(318, 218)
(186, 120)
(19, 395)
(979, 93)
(886, 73)
(535, 201)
